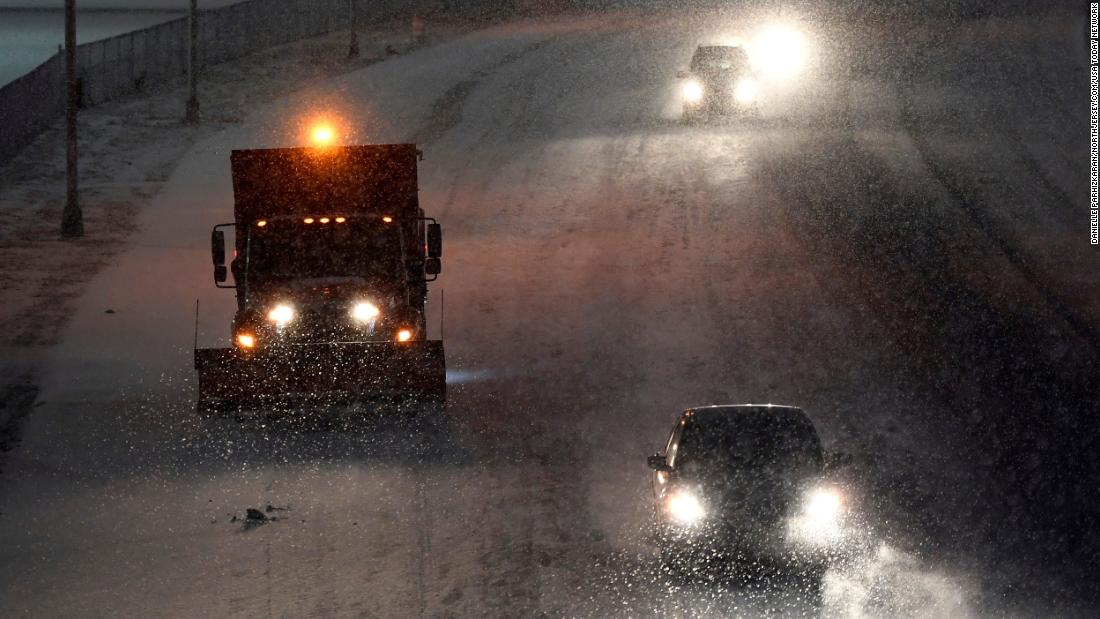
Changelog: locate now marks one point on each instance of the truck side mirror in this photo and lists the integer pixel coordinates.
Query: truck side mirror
(435, 240)
(220, 274)
(432, 266)
(217, 249)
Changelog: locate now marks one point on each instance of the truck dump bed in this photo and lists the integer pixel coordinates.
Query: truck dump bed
(378, 178)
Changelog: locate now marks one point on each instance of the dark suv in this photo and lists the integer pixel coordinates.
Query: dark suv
(746, 483)
(720, 81)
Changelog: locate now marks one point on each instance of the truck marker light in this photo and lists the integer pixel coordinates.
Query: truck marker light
(324, 220)
(341, 220)
(246, 340)
(307, 220)
(404, 335)
(261, 223)
(387, 219)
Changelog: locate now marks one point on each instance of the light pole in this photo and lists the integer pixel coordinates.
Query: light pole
(194, 116)
(72, 220)
(353, 44)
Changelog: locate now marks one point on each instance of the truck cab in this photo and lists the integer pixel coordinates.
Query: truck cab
(331, 265)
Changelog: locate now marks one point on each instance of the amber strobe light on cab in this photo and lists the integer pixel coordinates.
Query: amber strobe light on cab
(322, 134)
(404, 335)
(245, 340)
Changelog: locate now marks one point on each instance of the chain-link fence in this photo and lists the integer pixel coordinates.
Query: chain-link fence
(138, 60)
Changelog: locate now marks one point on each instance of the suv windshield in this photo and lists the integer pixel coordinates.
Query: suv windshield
(766, 439)
(719, 58)
(293, 249)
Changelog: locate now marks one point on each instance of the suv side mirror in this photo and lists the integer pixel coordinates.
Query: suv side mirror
(435, 240)
(837, 460)
(657, 462)
(217, 248)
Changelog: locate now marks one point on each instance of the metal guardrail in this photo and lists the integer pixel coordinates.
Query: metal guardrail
(140, 60)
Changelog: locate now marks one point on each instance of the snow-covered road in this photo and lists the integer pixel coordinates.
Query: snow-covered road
(605, 267)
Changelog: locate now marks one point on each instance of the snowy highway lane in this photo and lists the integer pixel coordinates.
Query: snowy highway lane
(605, 267)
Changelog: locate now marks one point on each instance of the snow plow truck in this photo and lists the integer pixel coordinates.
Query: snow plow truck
(332, 256)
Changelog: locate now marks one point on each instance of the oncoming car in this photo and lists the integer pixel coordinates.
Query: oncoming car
(720, 81)
(745, 484)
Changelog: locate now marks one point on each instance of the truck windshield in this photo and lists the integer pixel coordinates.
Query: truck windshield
(291, 249)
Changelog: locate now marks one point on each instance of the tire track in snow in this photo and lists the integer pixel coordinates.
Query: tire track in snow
(445, 115)
(992, 365)
(447, 109)
(976, 211)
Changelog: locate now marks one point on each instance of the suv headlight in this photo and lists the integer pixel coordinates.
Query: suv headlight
(692, 91)
(684, 507)
(745, 90)
(819, 520)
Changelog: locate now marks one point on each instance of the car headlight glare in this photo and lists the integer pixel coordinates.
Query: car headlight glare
(281, 314)
(819, 522)
(823, 505)
(692, 91)
(685, 507)
(745, 90)
(364, 311)
(780, 51)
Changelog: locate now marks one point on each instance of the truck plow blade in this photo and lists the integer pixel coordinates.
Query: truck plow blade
(372, 370)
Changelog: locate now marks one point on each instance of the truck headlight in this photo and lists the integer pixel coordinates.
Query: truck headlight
(246, 340)
(692, 91)
(281, 314)
(684, 507)
(404, 335)
(745, 90)
(364, 311)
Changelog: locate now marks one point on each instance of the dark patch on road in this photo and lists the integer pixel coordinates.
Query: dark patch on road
(17, 398)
